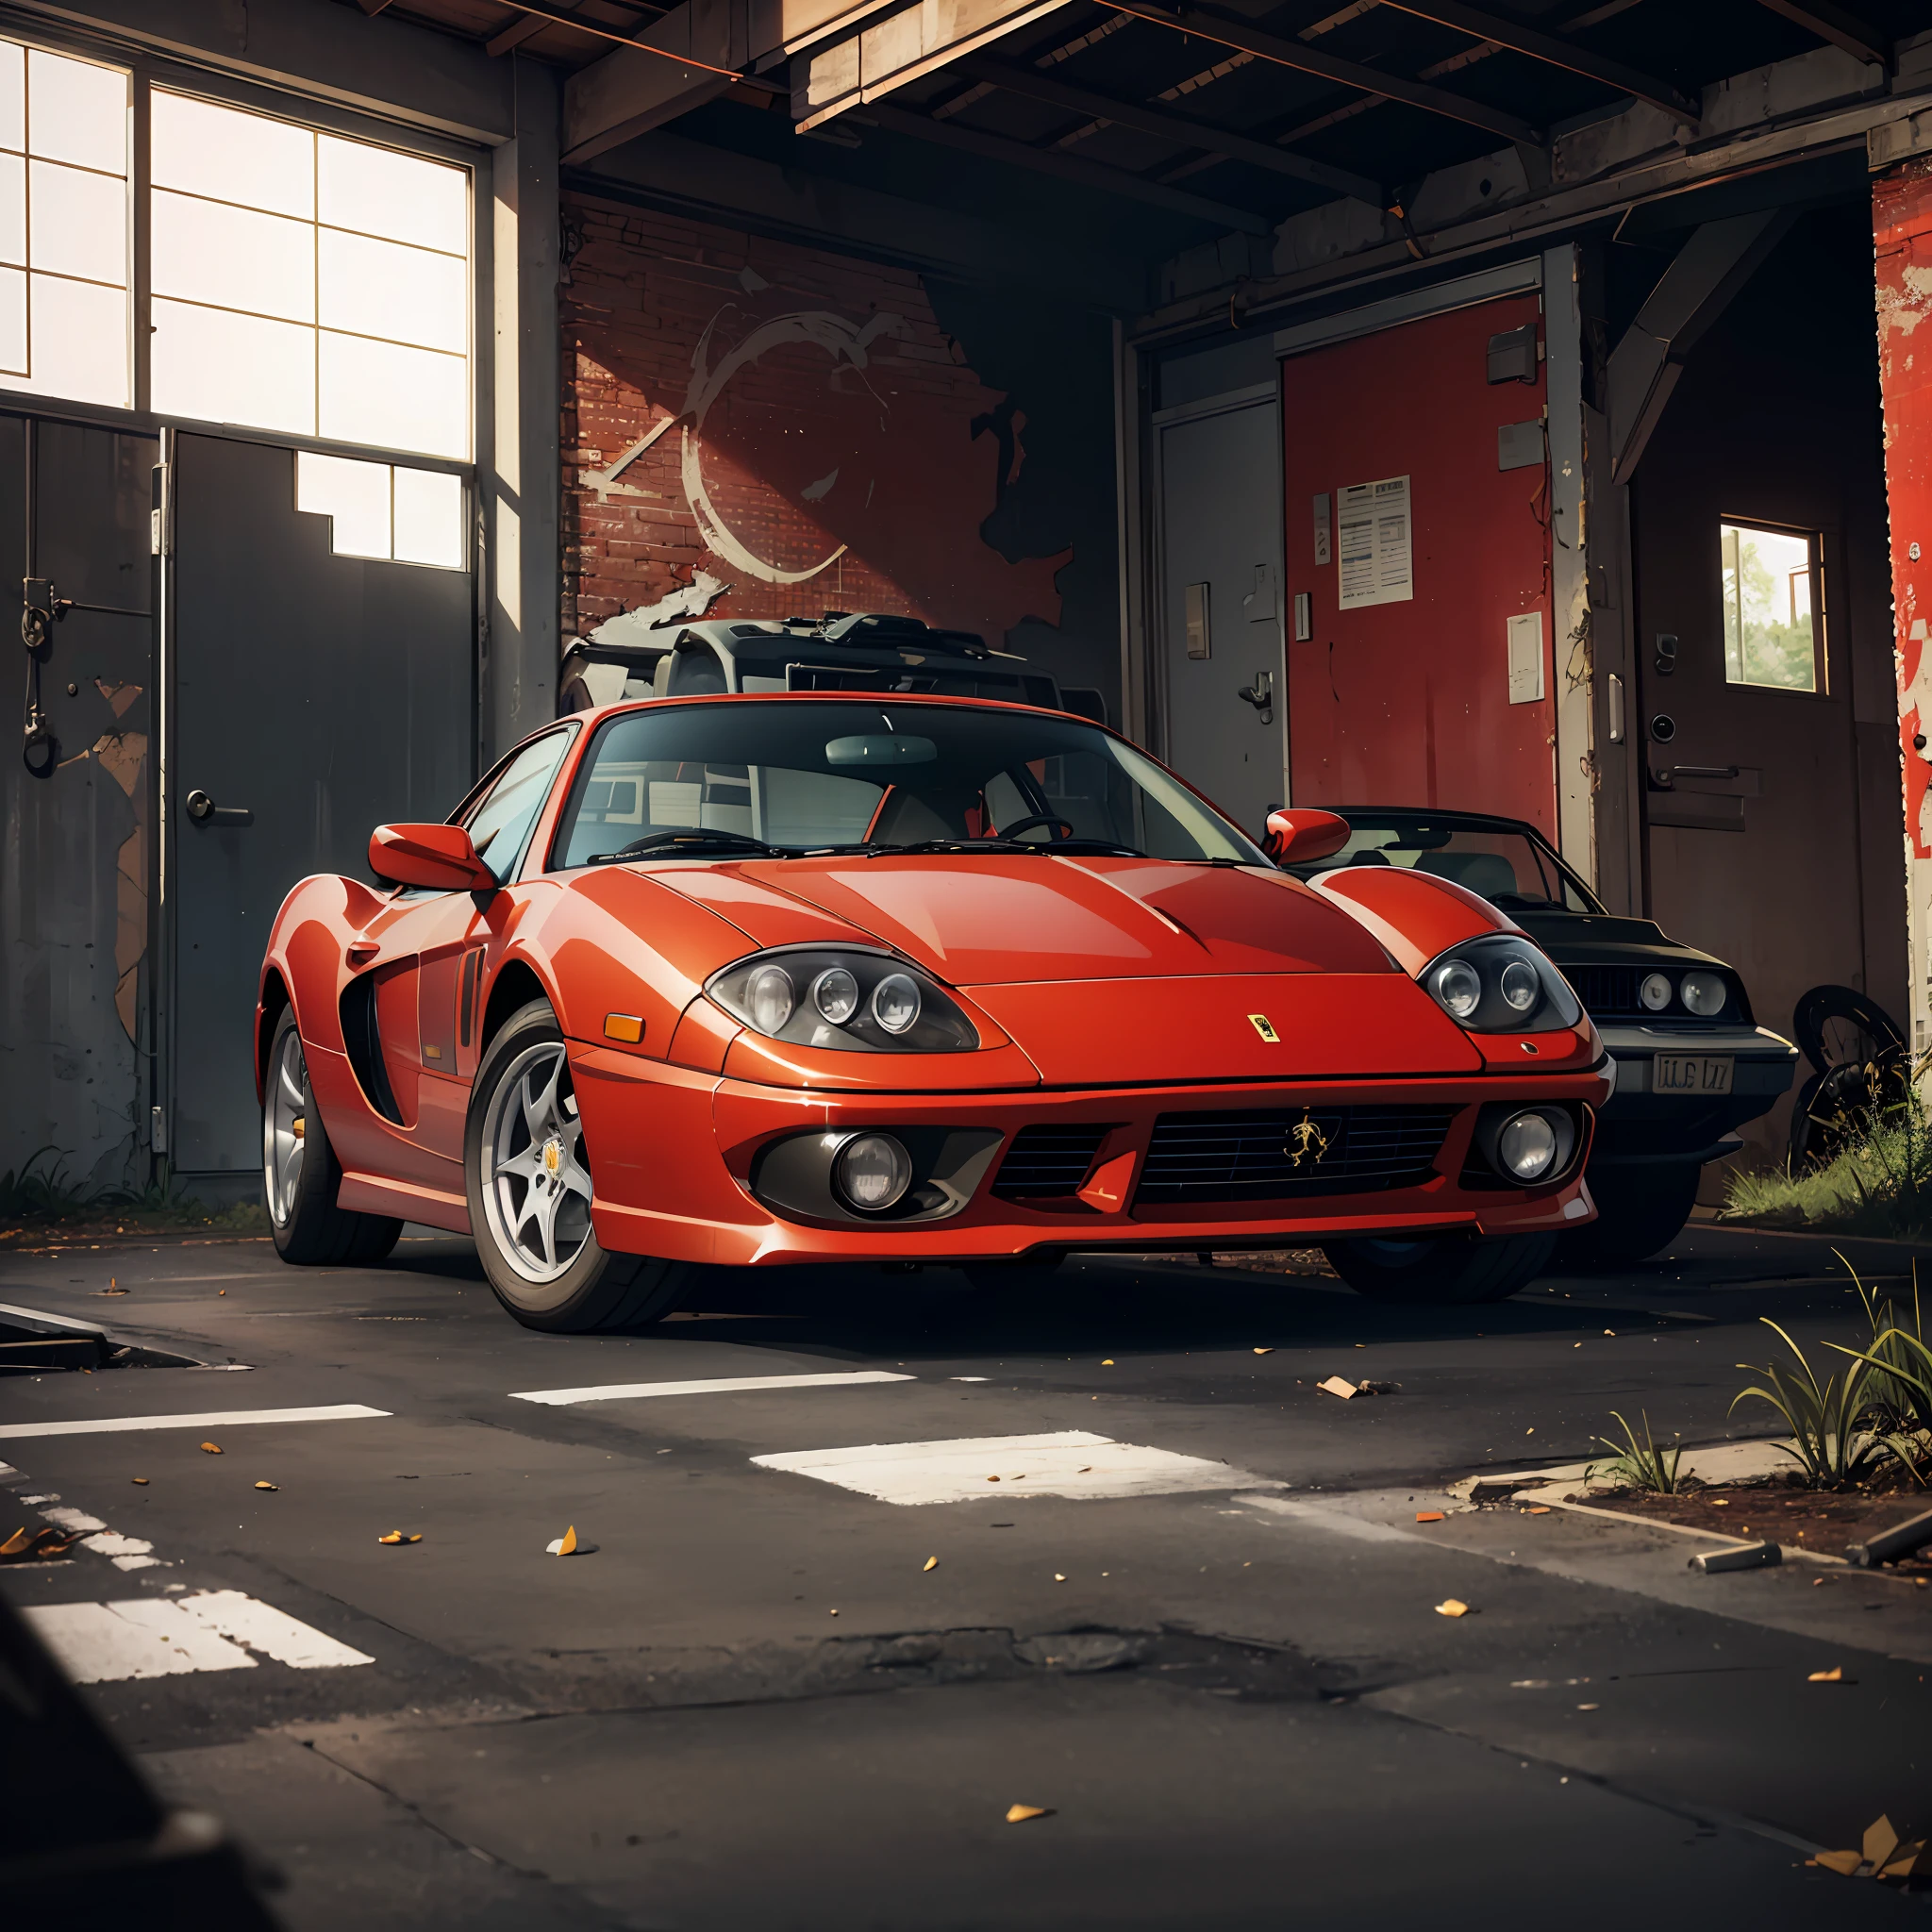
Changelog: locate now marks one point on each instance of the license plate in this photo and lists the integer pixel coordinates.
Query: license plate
(1676, 1073)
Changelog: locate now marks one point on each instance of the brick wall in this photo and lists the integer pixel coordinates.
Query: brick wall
(819, 440)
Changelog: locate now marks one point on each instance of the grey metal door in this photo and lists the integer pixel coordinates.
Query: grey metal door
(311, 697)
(1225, 682)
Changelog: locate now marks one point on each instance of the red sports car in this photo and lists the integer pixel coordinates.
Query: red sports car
(742, 980)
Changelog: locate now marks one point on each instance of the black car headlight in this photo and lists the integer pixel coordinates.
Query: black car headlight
(840, 997)
(1499, 984)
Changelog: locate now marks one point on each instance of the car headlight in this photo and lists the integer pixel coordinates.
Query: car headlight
(855, 1001)
(1654, 993)
(1704, 993)
(1501, 984)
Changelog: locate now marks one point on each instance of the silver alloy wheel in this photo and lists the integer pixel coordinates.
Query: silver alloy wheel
(284, 1128)
(536, 1188)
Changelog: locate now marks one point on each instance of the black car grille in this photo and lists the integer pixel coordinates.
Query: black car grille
(1046, 1162)
(1301, 1151)
(1608, 993)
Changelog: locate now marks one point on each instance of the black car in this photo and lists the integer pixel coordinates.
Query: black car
(1692, 1063)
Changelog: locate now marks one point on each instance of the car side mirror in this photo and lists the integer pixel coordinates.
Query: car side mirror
(1295, 837)
(439, 857)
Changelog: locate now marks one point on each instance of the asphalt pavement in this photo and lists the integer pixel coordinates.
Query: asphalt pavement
(810, 1652)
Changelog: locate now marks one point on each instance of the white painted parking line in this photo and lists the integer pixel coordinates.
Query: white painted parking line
(221, 1419)
(726, 1385)
(167, 1637)
(1331, 1517)
(1007, 1469)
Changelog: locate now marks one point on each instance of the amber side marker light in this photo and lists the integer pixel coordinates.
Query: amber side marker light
(628, 1027)
(1265, 1028)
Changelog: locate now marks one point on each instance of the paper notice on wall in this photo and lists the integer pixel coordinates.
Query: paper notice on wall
(1525, 634)
(1371, 523)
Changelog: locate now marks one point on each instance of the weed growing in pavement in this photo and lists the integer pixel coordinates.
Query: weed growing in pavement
(1831, 1441)
(1879, 1186)
(1644, 1465)
(41, 1192)
(1899, 1384)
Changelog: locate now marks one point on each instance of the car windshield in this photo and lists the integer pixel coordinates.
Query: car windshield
(1515, 871)
(706, 781)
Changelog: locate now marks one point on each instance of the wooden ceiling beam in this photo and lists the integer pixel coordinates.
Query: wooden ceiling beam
(1833, 23)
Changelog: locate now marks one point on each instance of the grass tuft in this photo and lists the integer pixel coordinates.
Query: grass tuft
(1879, 1186)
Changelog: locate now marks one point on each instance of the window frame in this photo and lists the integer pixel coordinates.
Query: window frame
(1820, 618)
(479, 794)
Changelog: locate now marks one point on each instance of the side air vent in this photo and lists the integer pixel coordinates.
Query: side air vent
(1047, 1162)
(363, 1041)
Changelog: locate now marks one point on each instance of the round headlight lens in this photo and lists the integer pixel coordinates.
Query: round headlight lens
(1527, 1146)
(871, 1173)
(835, 994)
(1654, 993)
(1459, 987)
(770, 998)
(896, 1002)
(1521, 989)
(1704, 993)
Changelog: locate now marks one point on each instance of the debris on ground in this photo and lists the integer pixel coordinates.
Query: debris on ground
(1901, 1540)
(1757, 1556)
(400, 1536)
(212, 1448)
(1057, 1577)
(564, 1546)
(1883, 1854)
(1834, 1676)
(930, 1564)
(141, 1479)
(1428, 1516)
(1452, 1606)
(268, 1486)
(40, 1546)
(1018, 1814)
(1336, 1386)
(1264, 1350)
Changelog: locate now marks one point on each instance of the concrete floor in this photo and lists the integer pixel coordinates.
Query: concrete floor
(1237, 1702)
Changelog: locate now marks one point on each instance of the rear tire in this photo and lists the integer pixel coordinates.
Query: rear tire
(1640, 1210)
(301, 1174)
(1442, 1271)
(526, 1174)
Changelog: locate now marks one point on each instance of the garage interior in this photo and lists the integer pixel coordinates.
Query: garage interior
(1074, 326)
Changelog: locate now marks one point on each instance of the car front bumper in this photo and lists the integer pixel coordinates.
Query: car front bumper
(675, 1152)
(1639, 1126)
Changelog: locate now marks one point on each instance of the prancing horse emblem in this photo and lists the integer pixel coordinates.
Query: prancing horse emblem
(1306, 1141)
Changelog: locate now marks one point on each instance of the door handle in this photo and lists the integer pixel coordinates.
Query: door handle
(204, 812)
(1666, 776)
(1261, 694)
(362, 951)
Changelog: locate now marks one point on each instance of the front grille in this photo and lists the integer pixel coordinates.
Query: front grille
(1608, 993)
(1046, 1162)
(1301, 1151)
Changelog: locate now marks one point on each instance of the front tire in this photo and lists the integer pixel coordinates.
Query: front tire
(1640, 1210)
(528, 1181)
(300, 1172)
(1442, 1271)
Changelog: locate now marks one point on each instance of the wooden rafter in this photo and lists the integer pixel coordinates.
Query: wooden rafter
(1833, 23)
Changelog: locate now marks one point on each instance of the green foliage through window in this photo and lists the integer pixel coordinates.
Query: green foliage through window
(1768, 578)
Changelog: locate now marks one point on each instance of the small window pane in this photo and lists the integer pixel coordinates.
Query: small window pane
(402, 294)
(355, 494)
(12, 96)
(429, 519)
(377, 192)
(223, 367)
(390, 397)
(78, 340)
(77, 222)
(502, 820)
(76, 111)
(12, 210)
(233, 156)
(233, 257)
(1767, 585)
(12, 322)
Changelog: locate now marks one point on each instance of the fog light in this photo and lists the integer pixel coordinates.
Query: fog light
(1527, 1146)
(1459, 987)
(1654, 993)
(1704, 993)
(770, 998)
(871, 1173)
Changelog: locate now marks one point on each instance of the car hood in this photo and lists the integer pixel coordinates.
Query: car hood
(1002, 919)
(1600, 937)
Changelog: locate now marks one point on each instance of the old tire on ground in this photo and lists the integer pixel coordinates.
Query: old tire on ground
(1442, 1271)
(300, 1172)
(528, 1181)
(1640, 1209)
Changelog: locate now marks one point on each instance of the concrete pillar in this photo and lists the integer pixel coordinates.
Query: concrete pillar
(521, 471)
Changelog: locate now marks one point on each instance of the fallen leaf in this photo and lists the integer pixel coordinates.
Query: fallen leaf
(142, 1479)
(268, 1486)
(1018, 1814)
(930, 1564)
(1057, 1577)
(1589, 1707)
(1452, 1606)
(15, 1543)
(1108, 1363)
(212, 1448)
(41, 1546)
(1843, 1863)
(1264, 1350)
(1720, 1502)
(1085, 1468)
(565, 1545)
(1336, 1386)
(1834, 1676)
(399, 1535)
(992, 1478)
(1610, 1331)
(1906, 1860)
(220, 1290)
(1538, 1509)
(831, 1613)
(1529, 1432)
(1881, 1840)
(1428, 1516)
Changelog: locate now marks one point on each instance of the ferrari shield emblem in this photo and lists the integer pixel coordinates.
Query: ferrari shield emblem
(1265, 1028)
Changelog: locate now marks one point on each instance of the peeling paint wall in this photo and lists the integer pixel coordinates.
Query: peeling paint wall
(817, 433)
